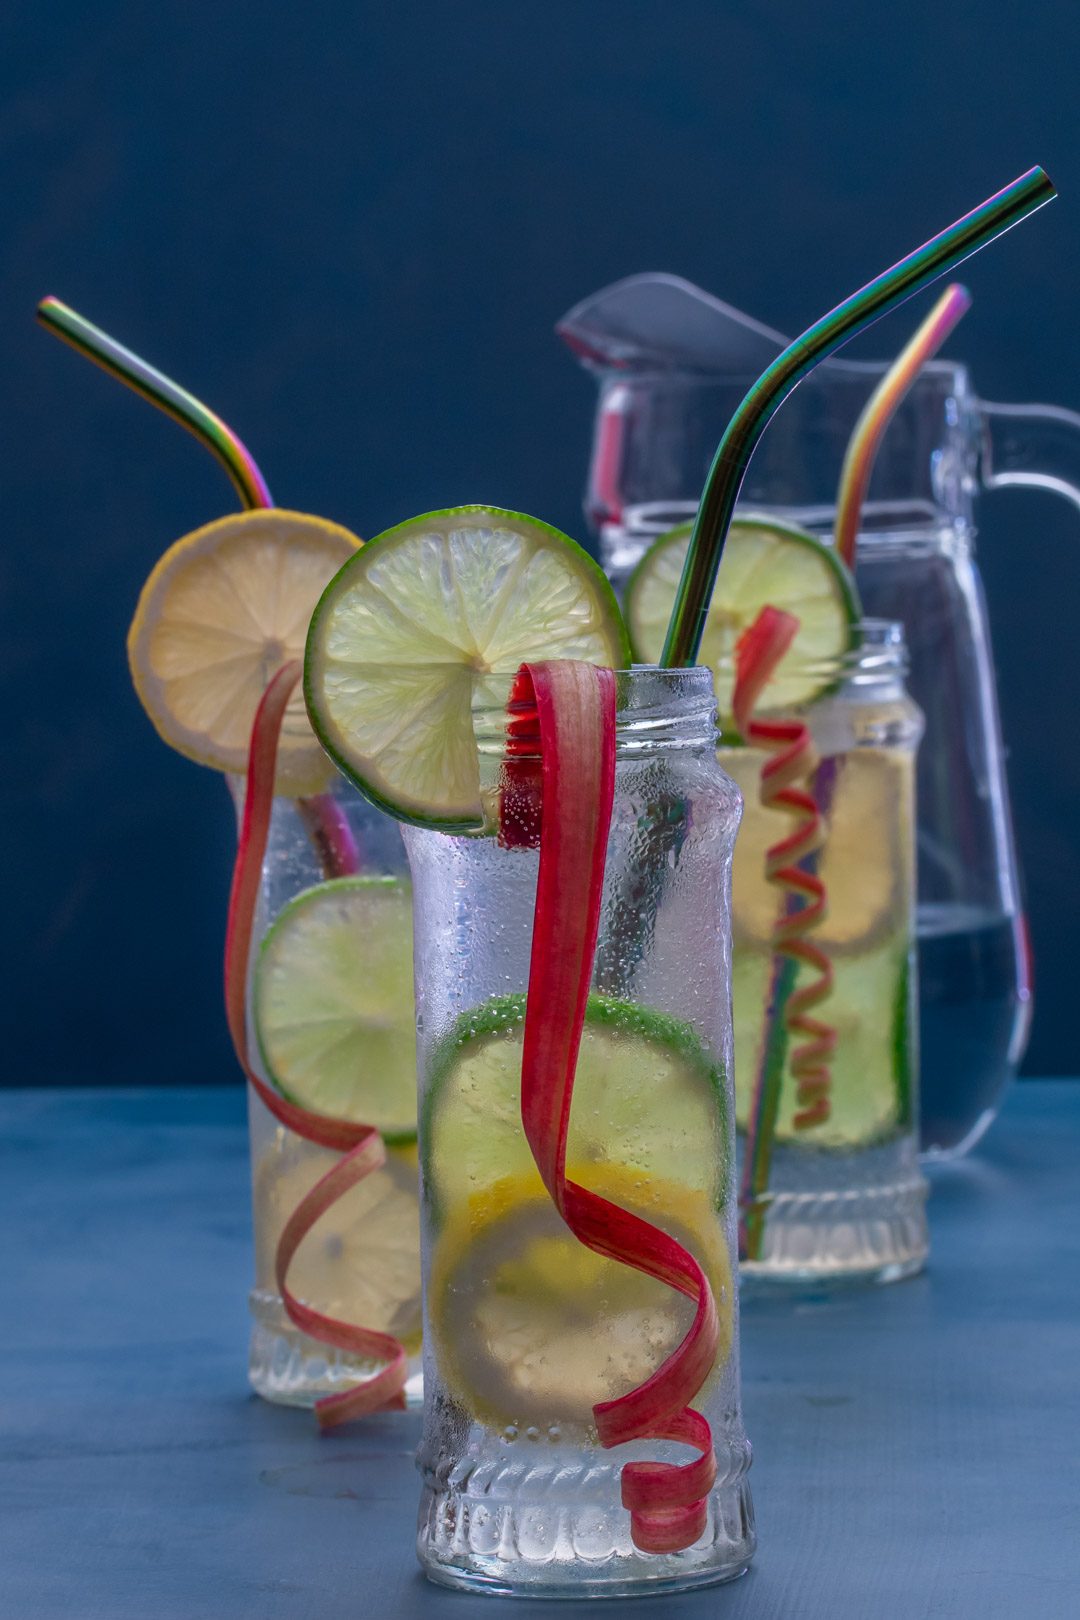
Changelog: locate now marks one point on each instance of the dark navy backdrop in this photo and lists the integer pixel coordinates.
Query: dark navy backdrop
(350, 228)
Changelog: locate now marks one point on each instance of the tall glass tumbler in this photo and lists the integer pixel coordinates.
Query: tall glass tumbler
(831, 1186)
(361, 1262)
(524, 1328)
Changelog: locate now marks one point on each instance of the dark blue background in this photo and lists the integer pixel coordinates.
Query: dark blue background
(350, 227)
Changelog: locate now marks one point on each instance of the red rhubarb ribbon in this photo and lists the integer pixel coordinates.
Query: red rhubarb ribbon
(793, 760)
(575, 710)
(361, 1145)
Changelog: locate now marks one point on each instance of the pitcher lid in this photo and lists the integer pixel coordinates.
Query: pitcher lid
(656, 320)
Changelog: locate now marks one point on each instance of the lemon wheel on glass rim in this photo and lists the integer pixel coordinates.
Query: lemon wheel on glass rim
(220, 613)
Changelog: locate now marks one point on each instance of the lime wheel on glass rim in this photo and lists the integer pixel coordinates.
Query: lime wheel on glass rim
(765, 564)
(406, 635)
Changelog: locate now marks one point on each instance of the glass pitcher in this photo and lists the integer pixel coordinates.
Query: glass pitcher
(672, 364)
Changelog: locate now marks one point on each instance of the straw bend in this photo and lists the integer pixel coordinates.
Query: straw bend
(935, 258)
(161, 391)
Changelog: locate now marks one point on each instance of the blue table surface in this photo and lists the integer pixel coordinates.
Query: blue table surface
(916, 1447)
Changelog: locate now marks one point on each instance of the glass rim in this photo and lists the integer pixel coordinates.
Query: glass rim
(656, 707)
(878, 649)
(839, 371)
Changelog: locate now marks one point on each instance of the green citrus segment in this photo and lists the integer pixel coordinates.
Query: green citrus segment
(333, 1003)
(648, 1096)
(765, 564)
(222, 610)
(361, 1260)
(533, 1328)
(871, 1082)
(405, 633)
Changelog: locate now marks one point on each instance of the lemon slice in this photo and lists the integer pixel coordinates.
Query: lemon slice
(405, 633)
(765, 564)
(647, 1095)
(333, 1003)
(223, 609)
(361, 1261)
(533, 1328)
(866, 861)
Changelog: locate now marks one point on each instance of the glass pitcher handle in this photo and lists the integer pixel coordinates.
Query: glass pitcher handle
(1033, 445)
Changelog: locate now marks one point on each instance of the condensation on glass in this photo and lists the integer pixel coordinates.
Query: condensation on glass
(525, 1329)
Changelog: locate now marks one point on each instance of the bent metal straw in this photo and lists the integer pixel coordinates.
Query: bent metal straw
(1005, 209)
(161, 391)
(793, 760)
(880, 409)
(787, 1008)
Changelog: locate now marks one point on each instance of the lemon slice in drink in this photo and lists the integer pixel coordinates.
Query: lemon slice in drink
(406, 632)
(866, 860)
(223, 609)
(648, 1096)
(533, 1328)
(765, 564)
(361, 1260)
(333, 1003)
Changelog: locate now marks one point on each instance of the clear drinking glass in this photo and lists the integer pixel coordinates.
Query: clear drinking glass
(672, 364)
(366, 1249)
(840, 1198)
(524, 1328)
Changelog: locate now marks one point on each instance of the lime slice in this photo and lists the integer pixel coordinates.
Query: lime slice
(648, 1095)
(361, 1260)
(765, 564)
(405, 633)
(223, 609)
(871, 1092)
(333, 1003)
(533, 1328)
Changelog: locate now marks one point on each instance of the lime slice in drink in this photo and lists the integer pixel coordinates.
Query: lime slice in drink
(533, 1328)
(406, 632)
(870, 1095)
(765, 564)
(223, 609)
(648, 1096)
(333, 1003)
(361, 1260)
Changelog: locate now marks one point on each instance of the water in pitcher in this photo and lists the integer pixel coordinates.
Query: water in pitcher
(973, 1025)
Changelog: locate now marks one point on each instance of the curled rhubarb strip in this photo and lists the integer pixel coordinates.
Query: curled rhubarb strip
(331, 836)
(361, 1145)
(575, 708)
(793, 760)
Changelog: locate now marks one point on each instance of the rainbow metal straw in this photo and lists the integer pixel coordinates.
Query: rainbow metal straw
(880, 409)
(175, 401)
(726, 474)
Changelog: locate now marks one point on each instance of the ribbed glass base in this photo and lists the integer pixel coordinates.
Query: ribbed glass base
(289, 1368)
